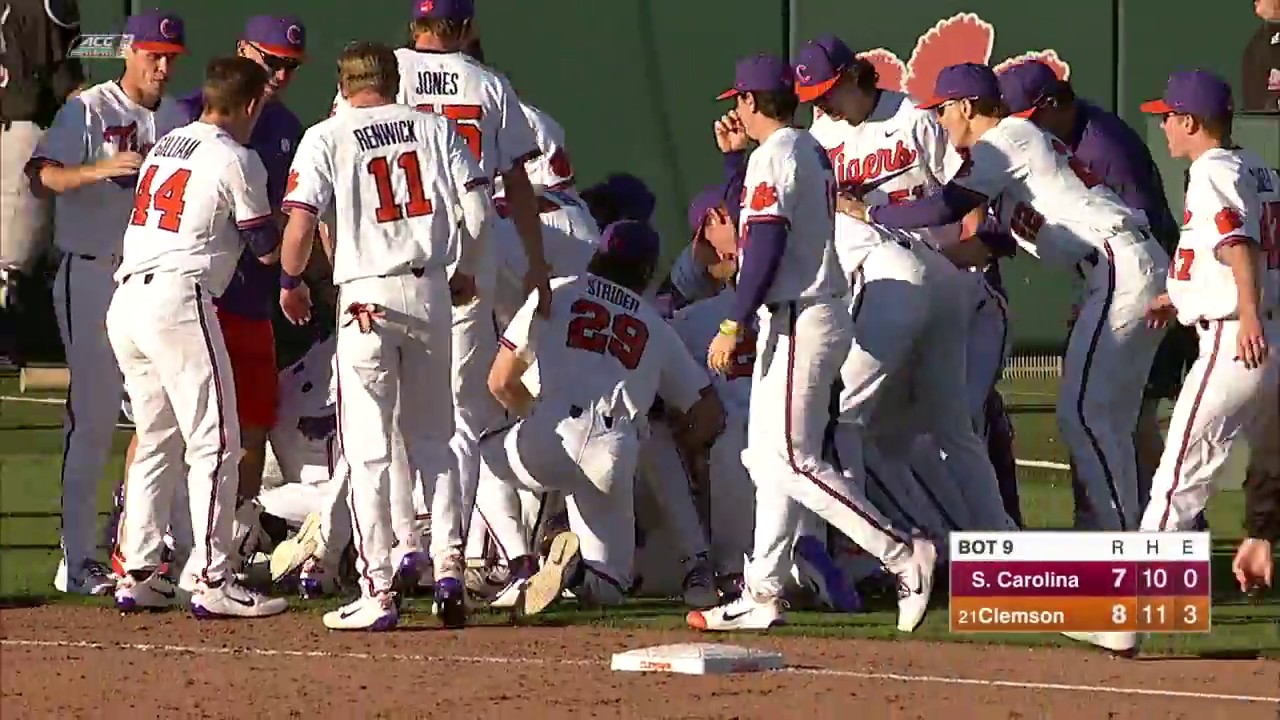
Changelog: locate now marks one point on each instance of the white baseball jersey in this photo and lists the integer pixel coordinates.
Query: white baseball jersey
(855, 239)
(92, 126)
(196, 190)
(394, 176)
(605, 347)
(1231, 195)
(697, 324)
(899, 150)
(309, 387)
(552, 168)
(569, 239)
(789, 181)
(1050, 202)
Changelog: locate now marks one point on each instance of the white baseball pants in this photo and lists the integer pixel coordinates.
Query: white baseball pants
(802, 346)
(404, 361)
(82, 292)
(1108, 358)
(663, 475)
(592, 459)
(1220, 401)
(314, 476)
(986, 351)
(170, 348)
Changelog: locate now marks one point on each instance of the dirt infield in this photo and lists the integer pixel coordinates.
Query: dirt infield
(63, 661)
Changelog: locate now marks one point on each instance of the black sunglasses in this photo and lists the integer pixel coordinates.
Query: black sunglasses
(276, 63)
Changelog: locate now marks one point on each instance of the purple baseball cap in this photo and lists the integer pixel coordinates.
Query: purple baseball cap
(819, 65)
(706, 201)
(1193, 92)
(966, 80)
(761, 72)
(1026, 85)
(631, 197)
(444, 9)
(280, 35)
(157, 31)
(630, 240)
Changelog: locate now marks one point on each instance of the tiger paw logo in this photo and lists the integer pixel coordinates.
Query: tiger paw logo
(763, 196)
(961, 38)
(1228, 220)
(292, 183)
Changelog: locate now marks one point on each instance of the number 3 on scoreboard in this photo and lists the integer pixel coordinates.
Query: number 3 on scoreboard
(468, 119)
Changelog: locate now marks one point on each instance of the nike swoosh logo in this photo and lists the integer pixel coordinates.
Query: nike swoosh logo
(891, 133)
(731, 617)
(344, 614)
(246, 602)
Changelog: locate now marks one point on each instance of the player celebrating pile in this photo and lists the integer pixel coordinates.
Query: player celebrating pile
(1225, 282)
(398, 180)
(788, 265)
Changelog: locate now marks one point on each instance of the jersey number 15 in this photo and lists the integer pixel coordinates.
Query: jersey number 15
(594, 329)
(468, 119)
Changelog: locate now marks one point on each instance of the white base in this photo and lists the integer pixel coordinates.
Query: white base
(697, 659)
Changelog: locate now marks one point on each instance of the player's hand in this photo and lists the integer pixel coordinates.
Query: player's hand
(462, 289)
(731, 136)
(1161, 312)
(122, 164)
(1251, 342)
(852, 206)
(721, 352)
(1253, 565)
(363, 314)
(538, 279)
(296, 304)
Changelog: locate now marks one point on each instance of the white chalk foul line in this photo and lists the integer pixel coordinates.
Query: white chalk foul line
(487, 660)
(37, 400)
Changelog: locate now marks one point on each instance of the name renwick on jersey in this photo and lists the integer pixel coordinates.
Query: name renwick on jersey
(437, 82)
(176, 146)
(372, 137)
(1007, 579)
(613, 294)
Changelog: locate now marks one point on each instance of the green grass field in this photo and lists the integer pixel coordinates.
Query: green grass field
(30, 452)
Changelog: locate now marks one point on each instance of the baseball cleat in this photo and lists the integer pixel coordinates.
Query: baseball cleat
(742, 613)
(699, 587)
(545, 586)
(450, 603)
(94, 578)
(1123, 644)
(408, 573)
(293, 553)
(374, 614)
(154, 592)
(228, 599)
(915, 584)
(823, 570)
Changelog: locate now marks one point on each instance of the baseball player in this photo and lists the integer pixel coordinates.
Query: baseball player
(1062, 214)
(788, 264)
(89, 159)
(889, 151)
(603, 355)
(179, 253)
(404, 184)
(278, 44)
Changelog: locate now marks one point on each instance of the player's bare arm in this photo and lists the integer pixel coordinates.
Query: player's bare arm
(699, 426)
(524, 213)
(507, 384)
(50, 177)
(731, 137)
(295, 253)
(1243, 257)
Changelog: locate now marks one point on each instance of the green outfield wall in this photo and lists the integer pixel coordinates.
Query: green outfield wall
(633, 81)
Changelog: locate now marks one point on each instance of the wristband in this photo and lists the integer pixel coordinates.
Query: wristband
(730, 327)
(289, 282)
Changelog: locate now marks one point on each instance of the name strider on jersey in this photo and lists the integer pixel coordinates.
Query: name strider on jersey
(899, 151)
(789, 181)
(697, 324)
(1050, 202)
(92, 126)
(1231, 196)
(197, 189)
(394, 176)
(604, 346)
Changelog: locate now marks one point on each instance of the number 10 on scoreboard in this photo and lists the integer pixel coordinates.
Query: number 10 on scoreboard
(1080, 582)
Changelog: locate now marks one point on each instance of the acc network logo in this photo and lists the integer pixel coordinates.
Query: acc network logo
(100, 46)
(964, 37)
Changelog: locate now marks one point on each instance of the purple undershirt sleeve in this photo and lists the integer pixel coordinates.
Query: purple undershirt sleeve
(942, 208)
(262, 239)
(735, 176)
(763, 246)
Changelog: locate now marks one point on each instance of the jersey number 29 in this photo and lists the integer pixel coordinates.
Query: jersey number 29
(594, 329)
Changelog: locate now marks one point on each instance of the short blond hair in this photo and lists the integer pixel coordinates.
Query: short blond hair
(368, 66)
(446, 29)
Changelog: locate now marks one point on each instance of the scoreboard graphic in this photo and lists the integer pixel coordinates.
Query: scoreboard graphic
(1080, 582)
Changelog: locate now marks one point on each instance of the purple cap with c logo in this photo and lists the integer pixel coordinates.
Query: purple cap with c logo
(819, 65)
(280, 35)
(157, 31)
(763, 73)
(966, 80)
(1193, 92)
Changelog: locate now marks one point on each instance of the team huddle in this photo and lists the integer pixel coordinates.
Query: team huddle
(503, 404)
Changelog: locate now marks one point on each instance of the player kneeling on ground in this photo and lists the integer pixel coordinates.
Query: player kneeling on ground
(603, 355)
(166, 338)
